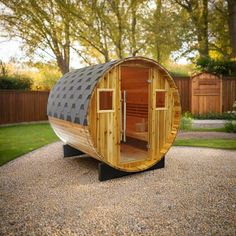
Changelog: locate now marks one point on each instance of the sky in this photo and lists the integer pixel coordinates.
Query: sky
(9, 49)
(12, 48)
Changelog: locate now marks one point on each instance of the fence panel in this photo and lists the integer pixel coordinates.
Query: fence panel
(22, 106)
(206, 93)
(228, 93)
(183, 84)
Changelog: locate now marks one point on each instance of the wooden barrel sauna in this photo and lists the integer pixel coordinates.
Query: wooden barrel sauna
(125, 113)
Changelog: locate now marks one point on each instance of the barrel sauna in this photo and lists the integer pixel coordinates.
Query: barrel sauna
(125, 113)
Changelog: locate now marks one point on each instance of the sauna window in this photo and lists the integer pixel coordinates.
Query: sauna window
(105, 100)
(160, 99)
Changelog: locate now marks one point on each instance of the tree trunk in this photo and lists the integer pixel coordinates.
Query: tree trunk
(158, 53)
(63, 65)
(120, 33)
(64, 61)
(133, 31)
(232, 24)
(66, 47)
(203, 31)
(158, 17)
(106, 56)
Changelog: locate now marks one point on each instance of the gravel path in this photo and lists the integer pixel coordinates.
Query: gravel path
(204, 135)
(42, 194)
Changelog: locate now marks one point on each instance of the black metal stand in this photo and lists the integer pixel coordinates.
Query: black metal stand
(105, 172)
(69, 151)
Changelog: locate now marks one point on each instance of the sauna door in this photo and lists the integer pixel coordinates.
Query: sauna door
(134, 113)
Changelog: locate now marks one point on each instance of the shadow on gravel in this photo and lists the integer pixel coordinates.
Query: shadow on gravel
(87, 169)
(86, 162)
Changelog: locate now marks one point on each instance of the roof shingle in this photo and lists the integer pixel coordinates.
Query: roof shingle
(69, 99)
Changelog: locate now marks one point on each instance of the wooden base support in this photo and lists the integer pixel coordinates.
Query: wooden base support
(69, 151)
(105, 172)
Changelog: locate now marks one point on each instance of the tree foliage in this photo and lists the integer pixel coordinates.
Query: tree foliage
(101, 30)
(44, 75)
(41, 25)
(221, 67)
(209, 26)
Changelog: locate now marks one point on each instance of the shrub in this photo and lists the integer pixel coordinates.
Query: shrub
(186, 123)
(187, 114)
(17, 82)
(222, 67)
(230, 127)
(215, 116)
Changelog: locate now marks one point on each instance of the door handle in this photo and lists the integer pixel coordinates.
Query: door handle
(124, 127)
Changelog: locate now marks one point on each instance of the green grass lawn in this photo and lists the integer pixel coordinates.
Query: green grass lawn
(208, 129)
(211, 143)
(20, 139)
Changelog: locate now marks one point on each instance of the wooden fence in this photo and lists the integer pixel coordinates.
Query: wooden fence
(25, 106)
(228, 93)
(183, 84)
(22, 106)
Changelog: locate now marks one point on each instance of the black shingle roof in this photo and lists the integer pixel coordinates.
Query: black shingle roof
(69, 99)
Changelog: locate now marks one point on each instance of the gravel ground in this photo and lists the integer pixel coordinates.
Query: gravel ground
(204, 135)
(195, 194)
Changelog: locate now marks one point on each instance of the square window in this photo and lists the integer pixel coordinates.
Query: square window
(160, 99)
(105, 100)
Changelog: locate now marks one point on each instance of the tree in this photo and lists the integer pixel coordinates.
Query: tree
(108, 29)
(163, 30)
(41, 25)
(137, 37)
(44, 75)
(197, 11)
(90, 30)
(232, 24)
(101, 30)
(219, 40)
